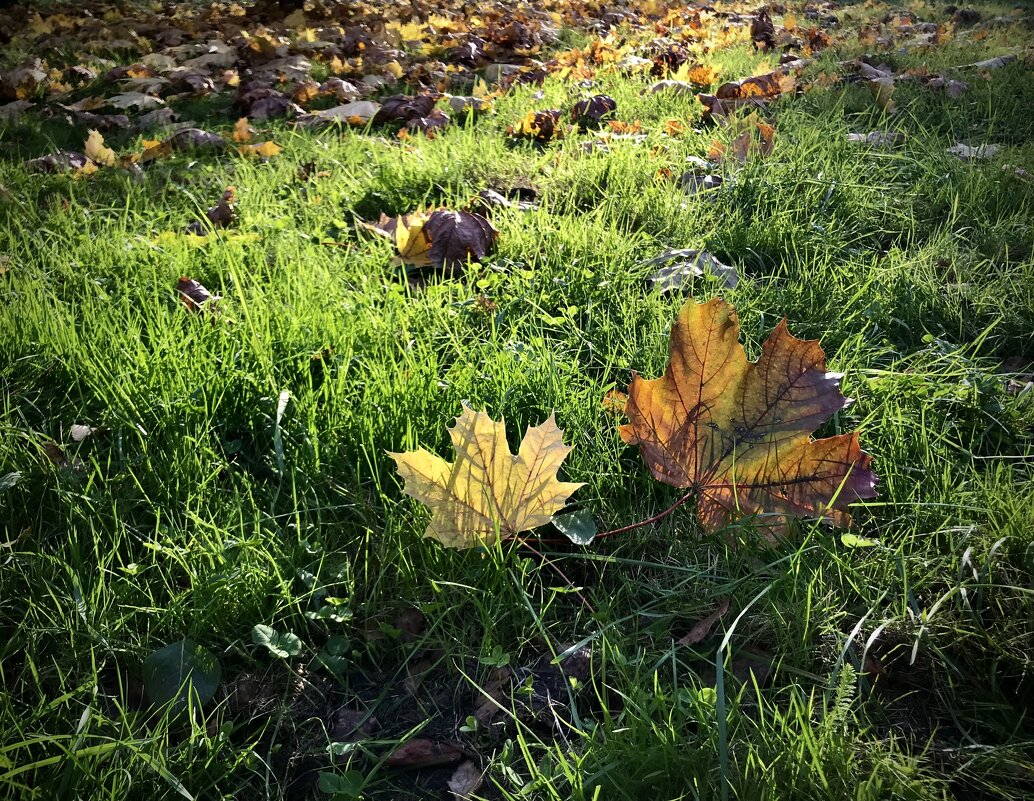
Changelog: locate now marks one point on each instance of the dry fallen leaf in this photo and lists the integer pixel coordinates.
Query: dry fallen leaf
(762, 31)
(466, 780)
(703, 627)
(883, 93)
(771, 84)
(750, 135)
(974, 152)
(407, 233)
(98, 152)
(56, 454)
(673, 86)
(491, 699)
(739, 433)
(242, 131)
(219, 216)
(676, 267)
(591, 111)
(423, 753)
(434, 121)
(458, 236)
(881, 139)
(540, 126)
(134, 99)
(80, 432)
(61, 161)
(153, 150)
(401, 108)
(442, 239)
(358, 113)
(488, 200)
(193, 294)
(11, 113)
(264, 150)
(953, 89)
(993, 63)
(488, 494)
(194, 139)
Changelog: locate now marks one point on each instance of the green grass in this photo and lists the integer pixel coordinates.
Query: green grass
(896, 671)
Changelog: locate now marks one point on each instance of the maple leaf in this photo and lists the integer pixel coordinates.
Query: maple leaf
(744, 142)
(762, 32)
(193, 294)
(591, 111)
(428, 125)
(401, 108)
(407, 233)
(770, 84)
(219, 215)
(739, 432)
(540, 126)
(488, 494)
(442, 239)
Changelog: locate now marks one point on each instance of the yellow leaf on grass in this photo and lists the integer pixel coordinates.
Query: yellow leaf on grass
(155, 149)
(98, 152)
(412, 241)
(88, 169)
(242, 130)
(262, 150)
(488, 494)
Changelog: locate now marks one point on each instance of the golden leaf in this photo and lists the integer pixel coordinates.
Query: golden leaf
(88, 169)
(411, 240)
(98, 152)
(155, 149)
(739, 433)
(263, 150)
(488, 494)
(242, 130)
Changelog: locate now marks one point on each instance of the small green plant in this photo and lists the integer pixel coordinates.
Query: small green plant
(283, 645)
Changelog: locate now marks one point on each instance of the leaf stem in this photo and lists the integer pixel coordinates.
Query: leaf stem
(659, 516)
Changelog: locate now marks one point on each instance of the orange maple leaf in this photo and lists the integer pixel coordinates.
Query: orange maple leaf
(739, 433)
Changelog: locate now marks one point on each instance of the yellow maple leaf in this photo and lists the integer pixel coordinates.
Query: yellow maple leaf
(698, 74)
(98, 152)
(411, 239)
(488, 494)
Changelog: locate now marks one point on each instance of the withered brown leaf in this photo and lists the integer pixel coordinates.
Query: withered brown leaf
(591, 111)
(193, 293)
